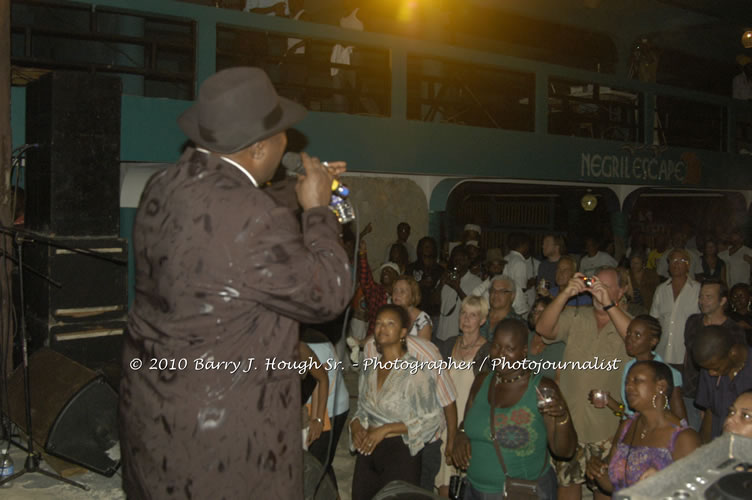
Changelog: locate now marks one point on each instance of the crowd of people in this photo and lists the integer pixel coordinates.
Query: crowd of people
(630, 364)
(493, 369)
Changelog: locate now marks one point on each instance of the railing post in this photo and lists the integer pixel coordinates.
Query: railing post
(541, 103)
(206, 50)
(399, 83)
(648, 117)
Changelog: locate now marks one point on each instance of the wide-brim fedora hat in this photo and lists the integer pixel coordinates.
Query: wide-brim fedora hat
(237, 107)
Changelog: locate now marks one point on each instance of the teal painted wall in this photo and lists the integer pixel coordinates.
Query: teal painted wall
(18, 115)
(392, 145)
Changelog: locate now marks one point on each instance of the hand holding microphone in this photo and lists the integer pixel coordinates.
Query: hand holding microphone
(317, 184)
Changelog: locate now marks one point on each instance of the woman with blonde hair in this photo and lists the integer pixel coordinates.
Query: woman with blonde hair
(406, 294)
(468, 347)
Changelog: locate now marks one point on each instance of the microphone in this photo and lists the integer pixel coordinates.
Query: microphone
(293, 165)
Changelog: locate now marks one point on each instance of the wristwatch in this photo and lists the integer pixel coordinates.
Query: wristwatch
(612, 304)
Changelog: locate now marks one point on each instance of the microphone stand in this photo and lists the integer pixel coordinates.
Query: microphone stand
(33, 459)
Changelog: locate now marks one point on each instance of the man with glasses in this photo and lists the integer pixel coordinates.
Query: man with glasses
(501, 294)
(674, 302)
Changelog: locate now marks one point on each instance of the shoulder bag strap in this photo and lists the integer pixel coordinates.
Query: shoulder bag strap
(492, 399)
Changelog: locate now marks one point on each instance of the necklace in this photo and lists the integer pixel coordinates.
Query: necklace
(503, 380)
(645, 431)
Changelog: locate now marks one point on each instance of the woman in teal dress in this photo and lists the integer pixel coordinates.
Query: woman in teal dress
(523, 431)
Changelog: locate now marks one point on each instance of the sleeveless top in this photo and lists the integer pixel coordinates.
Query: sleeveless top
(421, 321)
(520, 433)
(629, 463)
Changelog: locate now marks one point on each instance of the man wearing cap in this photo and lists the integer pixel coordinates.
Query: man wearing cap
(742, 83)
(223, 275)
(471, 232)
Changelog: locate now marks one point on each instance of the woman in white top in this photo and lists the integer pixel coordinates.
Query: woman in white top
(398, 411)
(406, 294)
(469, 347)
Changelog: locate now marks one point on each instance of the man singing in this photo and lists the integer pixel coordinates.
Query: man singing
(224, 273)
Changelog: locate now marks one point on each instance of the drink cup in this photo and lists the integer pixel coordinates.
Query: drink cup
(600, 398)
(545, 396)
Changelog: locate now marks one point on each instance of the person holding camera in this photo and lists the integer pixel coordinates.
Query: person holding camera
(588, 332)
(458, 283)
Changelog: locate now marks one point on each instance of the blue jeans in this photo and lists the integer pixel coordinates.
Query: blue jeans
(547, 486)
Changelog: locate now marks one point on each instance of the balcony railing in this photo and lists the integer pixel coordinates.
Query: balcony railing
(155, 55)
(166, 48)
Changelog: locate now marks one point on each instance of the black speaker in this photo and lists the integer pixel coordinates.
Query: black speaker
(96, 345)
(73, 411)
(72, 178)
(93, 286)
(401, 490)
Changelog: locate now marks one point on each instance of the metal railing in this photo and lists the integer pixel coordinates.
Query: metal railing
(166, 48)
(155, 55)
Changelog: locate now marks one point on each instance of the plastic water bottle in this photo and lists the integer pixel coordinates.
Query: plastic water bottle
(6, 464)
(339, 203)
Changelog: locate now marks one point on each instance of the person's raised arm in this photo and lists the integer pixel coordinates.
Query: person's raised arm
(619, 318)
(547, 324)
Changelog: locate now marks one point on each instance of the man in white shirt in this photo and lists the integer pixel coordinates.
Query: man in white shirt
(737, 258)
(594, 259)
(675, 300)
(520, 270)
(459, 282)
(679, 242)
